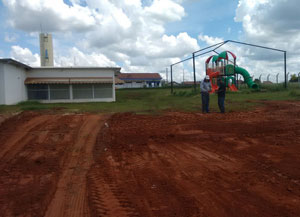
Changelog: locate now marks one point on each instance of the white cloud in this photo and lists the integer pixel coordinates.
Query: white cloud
(78, 58)
(165, 10)
(52, 15)
(107, 30)
(10, 37)
(272, 23)
(24, 55)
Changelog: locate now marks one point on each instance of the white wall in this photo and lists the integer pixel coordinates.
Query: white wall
(74, 73)
(132, 85)
(69, 72)
(15, 90)
(2, 89)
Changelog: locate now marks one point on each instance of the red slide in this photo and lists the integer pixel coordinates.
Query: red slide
(214, 87)
(232, 87)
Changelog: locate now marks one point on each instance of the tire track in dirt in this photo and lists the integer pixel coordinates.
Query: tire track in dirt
(70, 198)
(107, 199)
(21, 137)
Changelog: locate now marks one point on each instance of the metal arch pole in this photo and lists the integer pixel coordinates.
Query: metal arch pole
(171, 79)
(254, 45)
(194, 69)
(277, 78)
(285, 82)
(260, 78)
(223, 42)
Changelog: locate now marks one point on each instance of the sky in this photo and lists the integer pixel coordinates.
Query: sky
(143, 36)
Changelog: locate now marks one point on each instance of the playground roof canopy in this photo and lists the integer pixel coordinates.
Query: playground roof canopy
(214, 47)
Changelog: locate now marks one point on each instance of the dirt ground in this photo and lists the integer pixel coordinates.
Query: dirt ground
(174, 164)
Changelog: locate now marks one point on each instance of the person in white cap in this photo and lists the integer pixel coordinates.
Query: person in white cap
(205, 87)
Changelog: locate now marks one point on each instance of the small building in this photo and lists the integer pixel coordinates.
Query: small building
(139, 80)
(20, 82)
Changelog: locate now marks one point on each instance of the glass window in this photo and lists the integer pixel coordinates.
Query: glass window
(46, 54)
(82, 91)
(37, 91)
(103, 90)
(59, 91)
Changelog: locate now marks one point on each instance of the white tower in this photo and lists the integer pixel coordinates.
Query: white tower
(46, 49)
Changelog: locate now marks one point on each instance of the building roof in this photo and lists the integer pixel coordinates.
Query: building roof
(15, 62)
(64, 80)
(77, 67)
(140, 76)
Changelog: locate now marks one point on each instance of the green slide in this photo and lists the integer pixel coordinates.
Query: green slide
(247, 78)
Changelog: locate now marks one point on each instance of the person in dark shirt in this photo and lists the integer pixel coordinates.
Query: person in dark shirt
(221, 95)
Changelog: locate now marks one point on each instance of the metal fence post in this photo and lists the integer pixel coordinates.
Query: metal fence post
(194, 69)
(285, 83)
(171, 79)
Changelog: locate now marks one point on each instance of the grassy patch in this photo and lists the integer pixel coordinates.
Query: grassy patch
(158, 100)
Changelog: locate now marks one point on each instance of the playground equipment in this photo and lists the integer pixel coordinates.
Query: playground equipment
(220, 66)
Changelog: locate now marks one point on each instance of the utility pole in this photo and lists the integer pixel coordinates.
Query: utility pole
(277, 78)
(183, 76)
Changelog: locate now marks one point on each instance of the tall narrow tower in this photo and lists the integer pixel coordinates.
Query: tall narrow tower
(46, 49)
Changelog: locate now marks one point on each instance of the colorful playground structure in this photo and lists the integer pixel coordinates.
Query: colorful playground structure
(220, 66)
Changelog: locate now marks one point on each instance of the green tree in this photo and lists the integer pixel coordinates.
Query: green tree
(294, 78)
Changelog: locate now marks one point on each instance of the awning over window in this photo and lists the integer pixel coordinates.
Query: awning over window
(95, 80)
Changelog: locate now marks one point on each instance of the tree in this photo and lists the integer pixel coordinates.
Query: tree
(294, 78)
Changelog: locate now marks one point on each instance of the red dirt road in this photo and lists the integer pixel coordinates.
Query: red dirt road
(176, 164)
(44, 162)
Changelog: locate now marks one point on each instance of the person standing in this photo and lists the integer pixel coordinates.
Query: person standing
(221, 95)
(205, 87)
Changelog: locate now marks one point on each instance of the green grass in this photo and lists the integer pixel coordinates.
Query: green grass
(158, 100)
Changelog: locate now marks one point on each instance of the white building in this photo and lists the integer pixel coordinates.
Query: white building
(20, 82)
(139, 80)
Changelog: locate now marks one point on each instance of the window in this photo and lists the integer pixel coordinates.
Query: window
(59, 91)
(46, 54)
(103, 90)
(37, 91)
(82, 91)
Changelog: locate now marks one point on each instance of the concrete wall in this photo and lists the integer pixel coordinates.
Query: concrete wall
(74, 73)
(2, 88)
(136, 85)
(69, 72)
(131, 85)
(15, 90)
